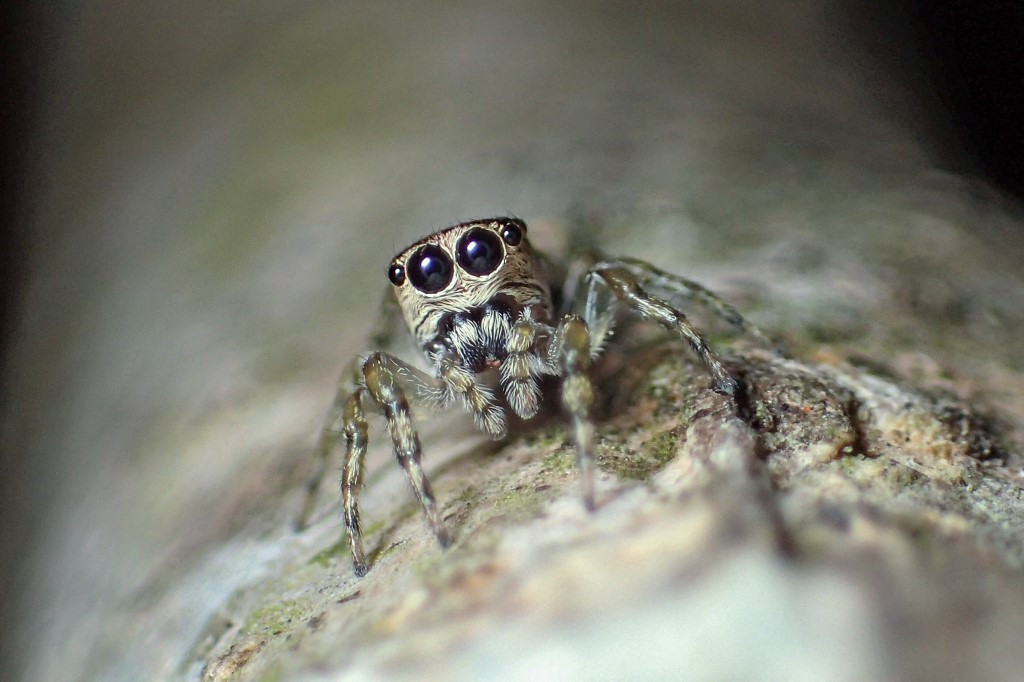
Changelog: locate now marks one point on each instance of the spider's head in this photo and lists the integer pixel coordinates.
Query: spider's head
(466, 269)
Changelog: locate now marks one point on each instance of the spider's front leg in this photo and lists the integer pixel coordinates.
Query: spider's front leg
(389, 384)
(380, 375)
(385, 381)
(571, 344)
(388, 320)
(334, 426)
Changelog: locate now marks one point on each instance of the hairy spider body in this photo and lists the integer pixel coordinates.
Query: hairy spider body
(476, 298)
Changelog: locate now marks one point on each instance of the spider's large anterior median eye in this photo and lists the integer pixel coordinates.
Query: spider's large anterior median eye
(430, 269)
(479, 252)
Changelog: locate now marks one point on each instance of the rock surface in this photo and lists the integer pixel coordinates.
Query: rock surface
(215, 208)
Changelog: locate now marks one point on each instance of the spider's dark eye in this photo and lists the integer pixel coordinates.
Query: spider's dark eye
(396, 273)
(479, 252)
(430, 269)
(512, 232)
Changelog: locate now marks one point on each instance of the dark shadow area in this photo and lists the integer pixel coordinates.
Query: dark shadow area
(23, 41)
(965, 63)
(20, 35)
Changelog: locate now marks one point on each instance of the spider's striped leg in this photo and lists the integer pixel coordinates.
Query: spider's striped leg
(345, 418)
(595, 304)
(381, 379)
(334, 425)
(352, 475)
(668, 285)
(572, 343)
(627, 288)
(381, 383)
(388, 318)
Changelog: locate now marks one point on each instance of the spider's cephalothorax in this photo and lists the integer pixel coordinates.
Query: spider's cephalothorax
(478, 302)
(468, 272)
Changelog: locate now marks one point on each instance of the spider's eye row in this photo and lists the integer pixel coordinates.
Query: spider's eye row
(512, 232)
(479, 252)
(430, 269)
(396, 273)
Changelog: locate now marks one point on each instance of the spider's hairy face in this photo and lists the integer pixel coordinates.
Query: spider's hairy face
(466, 284)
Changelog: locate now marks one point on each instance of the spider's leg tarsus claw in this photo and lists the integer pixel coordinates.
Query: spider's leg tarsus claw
(444, 538)
(727, 387)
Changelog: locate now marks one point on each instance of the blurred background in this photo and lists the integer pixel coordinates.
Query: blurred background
(198, 202)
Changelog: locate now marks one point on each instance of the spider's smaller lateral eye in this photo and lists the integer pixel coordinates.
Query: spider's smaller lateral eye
(512, 232)
(479, 252)
(430, 269)
(396, 273)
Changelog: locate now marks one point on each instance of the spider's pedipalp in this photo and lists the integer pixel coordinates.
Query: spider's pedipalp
(477, 399)
(521, 369)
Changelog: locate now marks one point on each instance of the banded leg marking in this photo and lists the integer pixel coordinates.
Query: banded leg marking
(352, 476)
(334, 424)
(573, 339)
(628, 290)
(666, 284)
(385, 392)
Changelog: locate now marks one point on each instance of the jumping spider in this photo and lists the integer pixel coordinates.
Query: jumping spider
(477, 299)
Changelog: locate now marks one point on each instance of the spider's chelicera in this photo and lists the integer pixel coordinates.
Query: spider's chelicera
(477, 299)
